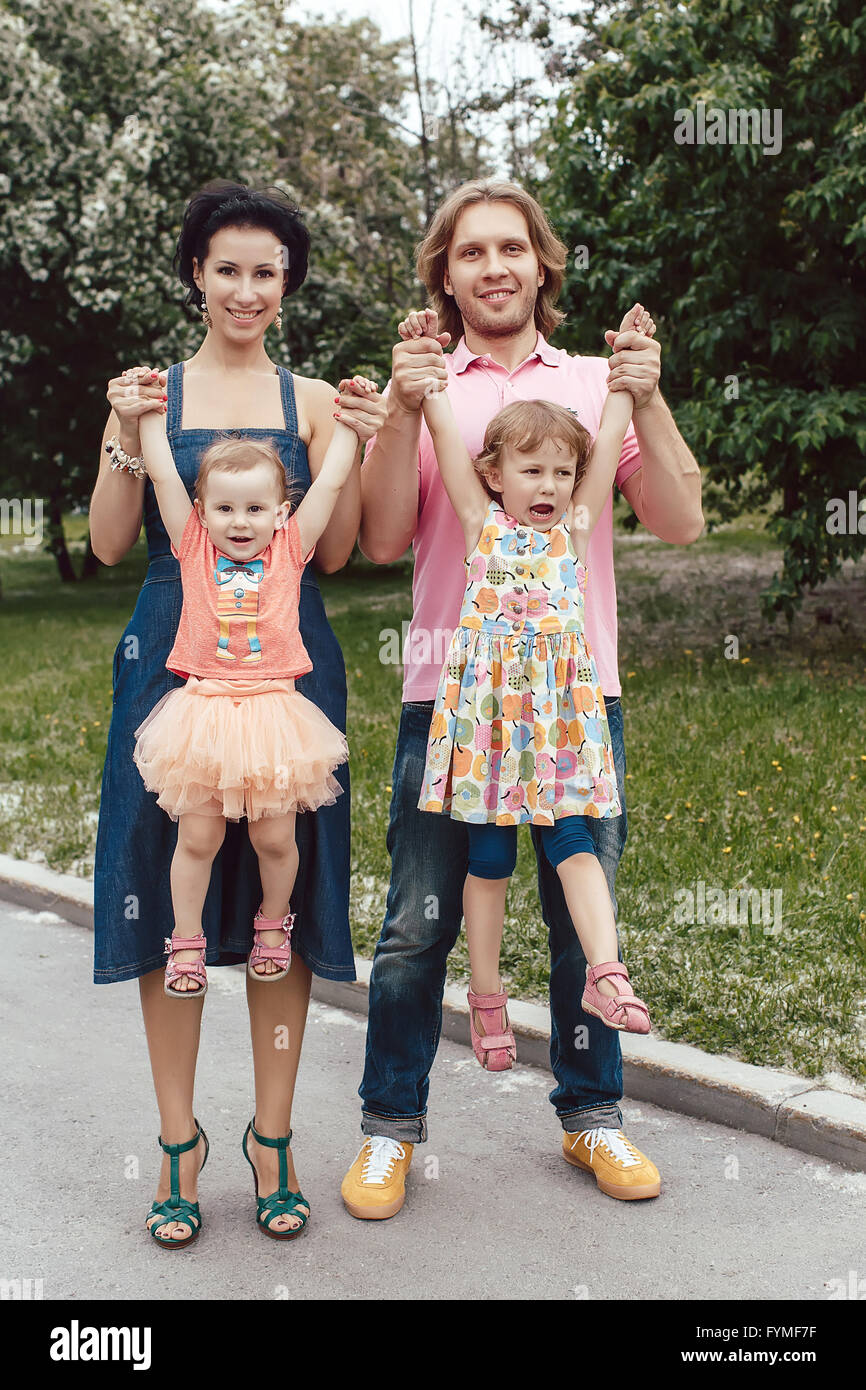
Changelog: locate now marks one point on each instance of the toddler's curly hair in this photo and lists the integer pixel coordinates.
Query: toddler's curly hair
(525, 426)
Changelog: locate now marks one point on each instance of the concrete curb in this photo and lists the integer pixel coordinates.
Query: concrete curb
(779, 1105)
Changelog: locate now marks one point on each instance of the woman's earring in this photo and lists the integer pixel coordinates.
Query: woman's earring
(205, 315)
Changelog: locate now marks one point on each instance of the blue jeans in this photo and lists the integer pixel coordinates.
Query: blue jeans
(429, 858)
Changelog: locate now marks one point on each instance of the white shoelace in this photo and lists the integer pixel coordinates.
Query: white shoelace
(379, 1163)
(613, 1139)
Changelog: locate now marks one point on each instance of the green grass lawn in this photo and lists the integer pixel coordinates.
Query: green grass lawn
(745, 771)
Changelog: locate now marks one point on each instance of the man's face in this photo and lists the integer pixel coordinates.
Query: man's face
(493, 272)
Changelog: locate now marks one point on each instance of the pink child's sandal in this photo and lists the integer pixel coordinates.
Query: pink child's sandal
(624, 1011)
(193, 968)
(496, 1051)
(282, 955)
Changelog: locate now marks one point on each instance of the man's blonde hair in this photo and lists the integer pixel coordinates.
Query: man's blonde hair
(431, 254)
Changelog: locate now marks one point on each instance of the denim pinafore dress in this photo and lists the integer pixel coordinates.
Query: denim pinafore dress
(136, 839)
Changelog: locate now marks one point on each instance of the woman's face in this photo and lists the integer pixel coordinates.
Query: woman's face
(242, 279)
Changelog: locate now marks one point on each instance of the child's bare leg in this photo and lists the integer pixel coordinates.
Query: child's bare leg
(198, 840)
(273, 839)
(484, 914)
(588, 900)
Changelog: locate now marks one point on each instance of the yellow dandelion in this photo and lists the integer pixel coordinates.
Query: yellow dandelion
(834, 808)
(727, 849)
(778, 844)
(849, 897)
(796, 820)
(631, 673)
(668, 816)
(739, 793)
(689, 804)
(817, 835)
(744, 660)
(688, 651)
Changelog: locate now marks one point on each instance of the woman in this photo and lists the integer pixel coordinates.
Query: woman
(240, 252)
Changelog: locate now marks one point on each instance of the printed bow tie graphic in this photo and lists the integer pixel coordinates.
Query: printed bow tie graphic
(226, 569)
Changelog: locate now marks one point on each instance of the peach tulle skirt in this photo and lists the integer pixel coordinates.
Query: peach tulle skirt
(239, 748)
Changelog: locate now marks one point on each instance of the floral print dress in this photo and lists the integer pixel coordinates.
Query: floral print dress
(519, 731)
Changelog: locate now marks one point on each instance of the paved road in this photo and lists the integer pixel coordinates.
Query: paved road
(492, 1209)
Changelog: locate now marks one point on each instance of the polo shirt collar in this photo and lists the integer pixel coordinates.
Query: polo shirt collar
(462, 357)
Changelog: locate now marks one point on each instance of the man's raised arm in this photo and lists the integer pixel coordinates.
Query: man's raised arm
(665, 492)
(389, 474)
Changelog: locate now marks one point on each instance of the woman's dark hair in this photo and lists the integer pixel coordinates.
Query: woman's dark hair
(222, 203)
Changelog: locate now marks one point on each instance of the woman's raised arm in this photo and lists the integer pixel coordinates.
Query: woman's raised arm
(118, 497)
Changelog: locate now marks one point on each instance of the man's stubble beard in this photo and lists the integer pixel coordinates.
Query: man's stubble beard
(496, 330)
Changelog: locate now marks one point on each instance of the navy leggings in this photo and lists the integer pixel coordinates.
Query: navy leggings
(493, 848)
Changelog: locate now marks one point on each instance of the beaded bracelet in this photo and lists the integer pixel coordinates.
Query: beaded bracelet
(122, 460)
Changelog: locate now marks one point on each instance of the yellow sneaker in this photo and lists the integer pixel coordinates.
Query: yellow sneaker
(620, 1169)
(375, 1185)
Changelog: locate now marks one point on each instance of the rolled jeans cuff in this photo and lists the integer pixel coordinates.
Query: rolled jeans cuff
(595, 1117)
(410, 1129)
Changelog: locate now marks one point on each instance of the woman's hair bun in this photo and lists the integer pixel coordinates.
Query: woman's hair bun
(222, 203)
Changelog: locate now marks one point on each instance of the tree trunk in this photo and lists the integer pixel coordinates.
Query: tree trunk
(90, 566)
(57, 540)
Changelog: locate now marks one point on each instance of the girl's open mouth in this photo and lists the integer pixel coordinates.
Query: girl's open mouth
(542, 511)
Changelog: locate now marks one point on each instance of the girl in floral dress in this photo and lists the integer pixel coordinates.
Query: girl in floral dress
(519, 732)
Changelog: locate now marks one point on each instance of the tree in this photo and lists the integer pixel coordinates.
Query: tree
(750, 257)
(110, 115)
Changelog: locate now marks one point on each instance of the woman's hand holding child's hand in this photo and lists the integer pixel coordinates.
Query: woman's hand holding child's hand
(635, 364)
(136, 392)
(361, 407)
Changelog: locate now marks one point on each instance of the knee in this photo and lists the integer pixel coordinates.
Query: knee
(202, 839)
(570, 837)
(272, 839)
(492, 851)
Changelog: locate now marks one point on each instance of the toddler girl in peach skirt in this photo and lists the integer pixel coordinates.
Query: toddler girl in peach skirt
(238, 739)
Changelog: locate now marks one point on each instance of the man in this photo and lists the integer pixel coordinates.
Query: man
(493, 269)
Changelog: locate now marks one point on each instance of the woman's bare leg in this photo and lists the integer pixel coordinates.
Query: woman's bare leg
(172, 1038)
(278, 1016)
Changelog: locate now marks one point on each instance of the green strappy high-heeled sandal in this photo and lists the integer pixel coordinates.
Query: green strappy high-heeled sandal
(177, 1208)
(282, 1202)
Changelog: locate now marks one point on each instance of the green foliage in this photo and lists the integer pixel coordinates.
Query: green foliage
(751, 262)
(110, 116)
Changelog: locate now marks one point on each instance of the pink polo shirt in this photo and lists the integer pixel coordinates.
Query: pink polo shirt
(478, 387)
